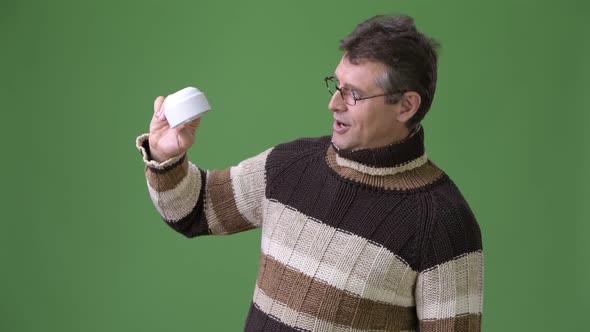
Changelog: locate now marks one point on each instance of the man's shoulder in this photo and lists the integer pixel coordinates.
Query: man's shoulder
(448, 194)
(452, 228)
(294, 153)
(301, 147)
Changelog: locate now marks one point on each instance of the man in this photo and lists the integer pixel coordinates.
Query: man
(360, 230)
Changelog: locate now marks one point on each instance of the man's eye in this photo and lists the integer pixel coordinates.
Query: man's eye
(354, 94)
(349, 91)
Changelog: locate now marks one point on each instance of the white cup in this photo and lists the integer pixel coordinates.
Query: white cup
(185, 105)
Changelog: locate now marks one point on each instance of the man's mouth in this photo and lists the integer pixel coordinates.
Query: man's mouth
(341, 123)
(340, 127)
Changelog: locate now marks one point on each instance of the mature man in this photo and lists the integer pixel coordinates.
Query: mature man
(360, 230)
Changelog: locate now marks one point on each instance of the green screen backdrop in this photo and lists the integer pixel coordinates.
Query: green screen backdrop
(82, 247)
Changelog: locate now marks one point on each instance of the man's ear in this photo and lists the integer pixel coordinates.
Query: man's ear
(409, 104)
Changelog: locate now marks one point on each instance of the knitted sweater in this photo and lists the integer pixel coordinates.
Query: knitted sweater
(365, 240)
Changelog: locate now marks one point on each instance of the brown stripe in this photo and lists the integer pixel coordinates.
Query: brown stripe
(414, 178)
(470, 322)
(223, 202)
(318, 299)
(168, 180)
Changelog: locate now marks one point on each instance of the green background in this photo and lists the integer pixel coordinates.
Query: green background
(82, 247)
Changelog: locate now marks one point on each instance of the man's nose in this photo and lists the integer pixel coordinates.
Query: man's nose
(336, 103)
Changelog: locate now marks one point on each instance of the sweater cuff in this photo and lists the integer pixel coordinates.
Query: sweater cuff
(142, 144)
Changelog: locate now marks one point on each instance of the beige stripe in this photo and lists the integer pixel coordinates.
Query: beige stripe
(451, 289)
(470, 322)
(249, 184)
(317, 299)
(177, 203)
(341, 259)
(234, 196)
(411, 179)
(381, 171)
(168, 180)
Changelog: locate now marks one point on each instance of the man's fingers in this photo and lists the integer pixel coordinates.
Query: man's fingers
(189, 127)
(193, 124)
(158, 106)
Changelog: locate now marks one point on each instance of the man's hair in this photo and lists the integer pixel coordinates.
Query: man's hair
(411, 57)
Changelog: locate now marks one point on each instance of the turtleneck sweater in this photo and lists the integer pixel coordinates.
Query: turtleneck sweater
(352, 240)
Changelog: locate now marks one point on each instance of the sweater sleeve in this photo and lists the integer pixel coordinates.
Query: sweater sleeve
(449, 289)
(197, 202)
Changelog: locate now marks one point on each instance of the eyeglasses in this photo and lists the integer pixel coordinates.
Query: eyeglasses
(350, 97)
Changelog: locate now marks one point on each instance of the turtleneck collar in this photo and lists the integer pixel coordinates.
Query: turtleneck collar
(388, 160)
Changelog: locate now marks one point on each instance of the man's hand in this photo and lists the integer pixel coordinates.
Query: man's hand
(166, 142)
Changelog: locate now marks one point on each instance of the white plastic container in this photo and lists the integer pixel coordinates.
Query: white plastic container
(185, 105)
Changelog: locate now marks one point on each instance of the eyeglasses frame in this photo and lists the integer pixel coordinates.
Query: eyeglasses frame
(331, 79)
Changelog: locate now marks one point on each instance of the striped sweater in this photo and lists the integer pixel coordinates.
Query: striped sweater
(365, 240)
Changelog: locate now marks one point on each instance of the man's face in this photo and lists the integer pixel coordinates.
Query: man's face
(371, 122)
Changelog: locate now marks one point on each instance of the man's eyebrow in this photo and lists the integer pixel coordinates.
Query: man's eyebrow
(352, 87)
(346, 85)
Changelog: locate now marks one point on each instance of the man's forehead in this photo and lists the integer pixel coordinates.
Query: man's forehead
(362, 73)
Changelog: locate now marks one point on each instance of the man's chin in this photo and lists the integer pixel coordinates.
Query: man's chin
(340, 142)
